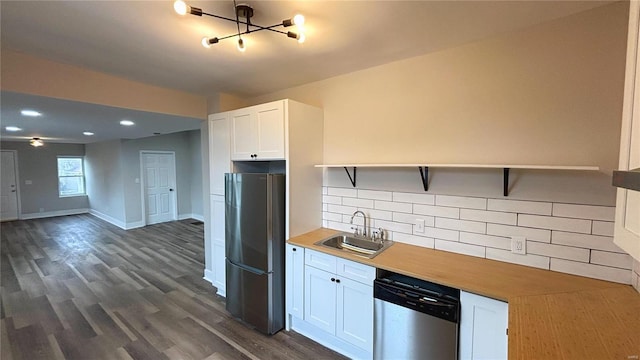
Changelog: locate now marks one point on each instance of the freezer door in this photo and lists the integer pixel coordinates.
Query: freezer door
(255, 298)
(246, 229)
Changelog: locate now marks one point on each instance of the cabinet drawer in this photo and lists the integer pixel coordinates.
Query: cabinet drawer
(320, 260)
(355, 271)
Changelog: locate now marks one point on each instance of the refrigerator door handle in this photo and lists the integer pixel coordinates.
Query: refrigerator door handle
(249, 268)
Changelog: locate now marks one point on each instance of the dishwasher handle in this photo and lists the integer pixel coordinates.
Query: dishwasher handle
(439, 307)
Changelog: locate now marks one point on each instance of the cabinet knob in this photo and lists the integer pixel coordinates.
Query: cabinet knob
(333, 279)
(294, 249)
(338, 281)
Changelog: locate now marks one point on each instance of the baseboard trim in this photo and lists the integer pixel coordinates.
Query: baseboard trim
(209, 275)
(48, 214)
(191, 216)
(111, 220)
(134, 225)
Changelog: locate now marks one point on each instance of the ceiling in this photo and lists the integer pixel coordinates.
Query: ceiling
(147, 41)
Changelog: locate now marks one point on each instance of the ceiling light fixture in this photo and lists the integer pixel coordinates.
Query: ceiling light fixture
(87, 133)
(27, 112)
(12, 128)
(244, 12)
(127, 123)
(36, 142)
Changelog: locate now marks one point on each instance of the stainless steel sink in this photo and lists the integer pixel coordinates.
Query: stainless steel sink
(356, 245)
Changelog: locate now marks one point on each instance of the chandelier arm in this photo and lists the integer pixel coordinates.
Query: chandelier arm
(270, 28)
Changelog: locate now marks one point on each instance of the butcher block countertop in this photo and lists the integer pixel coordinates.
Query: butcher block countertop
(552, 315)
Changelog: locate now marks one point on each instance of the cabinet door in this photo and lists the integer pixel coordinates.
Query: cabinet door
(320, 299)
(270, 130)
(219, 151)
(354, 318)
(244, 137)
(483, 327)
(218, 239)
(295, 281)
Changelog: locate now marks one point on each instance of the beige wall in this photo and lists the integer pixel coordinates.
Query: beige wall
(550, 94)
(27, 74)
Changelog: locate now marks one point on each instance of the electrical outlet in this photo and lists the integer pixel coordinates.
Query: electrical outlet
(419, 223)
(519, 245)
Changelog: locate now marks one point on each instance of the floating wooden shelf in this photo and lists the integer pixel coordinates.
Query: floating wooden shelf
(424, 170)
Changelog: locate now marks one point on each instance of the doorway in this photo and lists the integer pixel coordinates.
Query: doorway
(8, 186)
(159, 192)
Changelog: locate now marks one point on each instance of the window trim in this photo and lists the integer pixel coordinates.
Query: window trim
(84, 182)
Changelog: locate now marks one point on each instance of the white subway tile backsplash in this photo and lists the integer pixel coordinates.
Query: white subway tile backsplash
(558, 251)
(462, 202)
(570, 238)
(591, 270)
(414, 240)
(394, 226)
(486, 240)
(444, 234)
(331, 216)
(342, 192)
(460, 248)
(341, 209)
(461, 225)
(439, 211)
(623, 261)
(379, 214)
(328, 199)
(604, 228)
(597, 242)
(411, 218)
(489, 216)
(532, 260)
(518, 206)
(375, 195)
(606, 213)
(426, 199)
(393, 206)
(541, 235)
(360, 203)
(555, 223)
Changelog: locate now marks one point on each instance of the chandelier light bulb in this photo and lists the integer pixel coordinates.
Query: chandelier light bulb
(298, 19)
(180, 7)
(301, 38)
(205, 42)
(36, 142)
(241, 46)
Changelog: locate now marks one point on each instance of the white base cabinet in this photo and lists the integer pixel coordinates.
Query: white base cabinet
(218, 243)
(294, 261)
(338, 303)
(483, 327)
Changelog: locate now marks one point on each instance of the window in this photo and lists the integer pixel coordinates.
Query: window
(70, 176)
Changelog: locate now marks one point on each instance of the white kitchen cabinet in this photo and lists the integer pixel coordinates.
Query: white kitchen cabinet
(257, 132)
(483, 327)
(218, 242)
(339, 302)
(295, 281)
(219, 151)
(627, 220)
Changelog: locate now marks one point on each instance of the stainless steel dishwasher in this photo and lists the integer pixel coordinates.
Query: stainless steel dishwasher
(414, 319)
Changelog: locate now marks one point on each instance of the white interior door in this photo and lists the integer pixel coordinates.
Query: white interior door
(8, 187)
(159, 187)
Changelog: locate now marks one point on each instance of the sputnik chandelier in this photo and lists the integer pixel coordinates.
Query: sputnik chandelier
(244, 12)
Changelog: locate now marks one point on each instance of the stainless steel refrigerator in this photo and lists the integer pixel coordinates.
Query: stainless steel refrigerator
(254, 237)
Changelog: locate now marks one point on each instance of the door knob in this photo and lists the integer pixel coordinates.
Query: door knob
(170, 189)
(13, 191)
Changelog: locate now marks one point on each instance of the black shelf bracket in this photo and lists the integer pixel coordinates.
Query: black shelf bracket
(505, 182)
(352, 179)
(424, 174)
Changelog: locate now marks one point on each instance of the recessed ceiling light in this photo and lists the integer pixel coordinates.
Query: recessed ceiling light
(27, 112)
(87, 133)
(12, 128)
(127, 122)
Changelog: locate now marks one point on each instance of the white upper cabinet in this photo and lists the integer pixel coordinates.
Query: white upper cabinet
(627, 220)
(219, 151)
(257, 132)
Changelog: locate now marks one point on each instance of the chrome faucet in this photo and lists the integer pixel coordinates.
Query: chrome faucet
(364, 219)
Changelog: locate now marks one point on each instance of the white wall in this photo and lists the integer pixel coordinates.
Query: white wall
(197, 193)
(104, 181)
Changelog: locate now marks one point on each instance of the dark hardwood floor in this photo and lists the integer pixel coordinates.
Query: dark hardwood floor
(76, 287)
